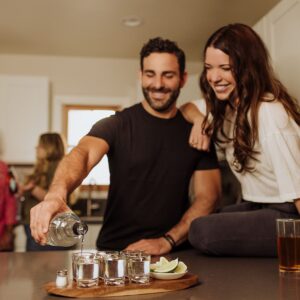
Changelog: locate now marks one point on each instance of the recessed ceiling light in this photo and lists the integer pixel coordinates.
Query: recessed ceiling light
(132, 21)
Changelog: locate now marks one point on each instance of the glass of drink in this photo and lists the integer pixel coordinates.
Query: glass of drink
(139, 268)
(288, 244)
(75, 255)
(128, 254)
(101, 256)
(114, 268)
(87, 270)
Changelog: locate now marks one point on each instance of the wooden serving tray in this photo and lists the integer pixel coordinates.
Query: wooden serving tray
(155, 286)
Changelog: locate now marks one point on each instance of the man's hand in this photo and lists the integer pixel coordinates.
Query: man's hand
(157, 246)
(42, 213)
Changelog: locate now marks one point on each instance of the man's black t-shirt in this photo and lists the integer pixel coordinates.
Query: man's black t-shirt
(150, 164)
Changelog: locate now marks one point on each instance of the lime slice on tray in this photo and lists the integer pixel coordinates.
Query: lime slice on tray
(162, 261)
(166, 266)
(181, 268)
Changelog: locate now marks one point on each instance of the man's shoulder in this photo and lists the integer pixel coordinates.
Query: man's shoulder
(115, 121)
(133, 109)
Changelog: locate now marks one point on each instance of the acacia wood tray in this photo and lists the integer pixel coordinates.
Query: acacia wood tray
(155, 286)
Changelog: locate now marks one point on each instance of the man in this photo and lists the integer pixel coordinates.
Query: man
(150, 162)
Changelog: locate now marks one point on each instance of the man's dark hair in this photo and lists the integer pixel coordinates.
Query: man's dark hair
(159, 45)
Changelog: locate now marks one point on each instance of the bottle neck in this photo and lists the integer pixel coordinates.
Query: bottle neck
(79, 228)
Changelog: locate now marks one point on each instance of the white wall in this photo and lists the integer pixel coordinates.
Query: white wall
(81, 80)
(24, 103)
(280, 31)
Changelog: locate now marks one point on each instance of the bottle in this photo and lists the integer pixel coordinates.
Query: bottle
(65, 230)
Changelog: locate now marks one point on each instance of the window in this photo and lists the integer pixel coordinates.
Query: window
(78, 121)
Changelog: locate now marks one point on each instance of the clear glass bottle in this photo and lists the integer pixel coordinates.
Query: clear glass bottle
(65, 230)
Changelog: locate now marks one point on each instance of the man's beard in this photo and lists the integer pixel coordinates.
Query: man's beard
(161, 106)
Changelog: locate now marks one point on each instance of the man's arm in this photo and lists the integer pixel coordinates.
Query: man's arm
(207, 188)
(69, 174)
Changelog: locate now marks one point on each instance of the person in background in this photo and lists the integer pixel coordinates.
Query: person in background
(7, 210)
(49, 152)
(151, 164)
(255, 123)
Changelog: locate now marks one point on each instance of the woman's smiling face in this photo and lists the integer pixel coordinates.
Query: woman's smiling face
(219, 73)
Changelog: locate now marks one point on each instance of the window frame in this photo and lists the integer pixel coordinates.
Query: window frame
(65, 115)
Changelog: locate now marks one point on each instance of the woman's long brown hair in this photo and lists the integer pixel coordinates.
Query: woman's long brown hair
(55, 151)
(254, 78)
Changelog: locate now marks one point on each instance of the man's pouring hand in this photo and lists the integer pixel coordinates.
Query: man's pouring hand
(42, 213)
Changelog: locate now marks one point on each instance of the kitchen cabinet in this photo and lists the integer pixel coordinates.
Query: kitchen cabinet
(24, 115)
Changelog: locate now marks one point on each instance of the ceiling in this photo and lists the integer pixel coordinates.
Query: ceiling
(93, 28)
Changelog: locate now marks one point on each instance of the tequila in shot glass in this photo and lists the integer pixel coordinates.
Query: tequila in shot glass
(128, 254)
(101, 255)
(114, 268)
(87, 270)
(139, 268)
(75, 256)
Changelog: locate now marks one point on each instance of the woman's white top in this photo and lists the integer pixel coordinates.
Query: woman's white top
(276, 175)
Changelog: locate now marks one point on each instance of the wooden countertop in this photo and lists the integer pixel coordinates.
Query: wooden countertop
(22, 276)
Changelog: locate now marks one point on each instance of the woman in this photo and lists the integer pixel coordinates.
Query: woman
(7, 211)
(255, 123)
(49, 151)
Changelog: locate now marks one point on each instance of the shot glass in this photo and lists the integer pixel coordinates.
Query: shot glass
(114, 269)
(139, 268)
(75, 255)
(288, 244)
(101, 256)
(128, 254)
(87, 270)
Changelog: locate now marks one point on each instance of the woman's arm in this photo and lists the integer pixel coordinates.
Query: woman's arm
(35, 190)
(38, 192)
(197, 139)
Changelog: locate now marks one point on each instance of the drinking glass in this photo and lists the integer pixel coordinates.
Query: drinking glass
(75, 255)
(114, 268)
(101, 256)
(288, 244)
(128, 254)
(87, 270)
(139, 268)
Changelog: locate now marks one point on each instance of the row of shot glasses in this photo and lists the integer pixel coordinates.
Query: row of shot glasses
(110, 267)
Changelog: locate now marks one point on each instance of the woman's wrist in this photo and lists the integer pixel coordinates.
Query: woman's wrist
(32, 188)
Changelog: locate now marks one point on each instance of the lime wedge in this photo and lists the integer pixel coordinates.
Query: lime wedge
(154, 266)
(181, 268)
(167, 266)
(162, 261)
